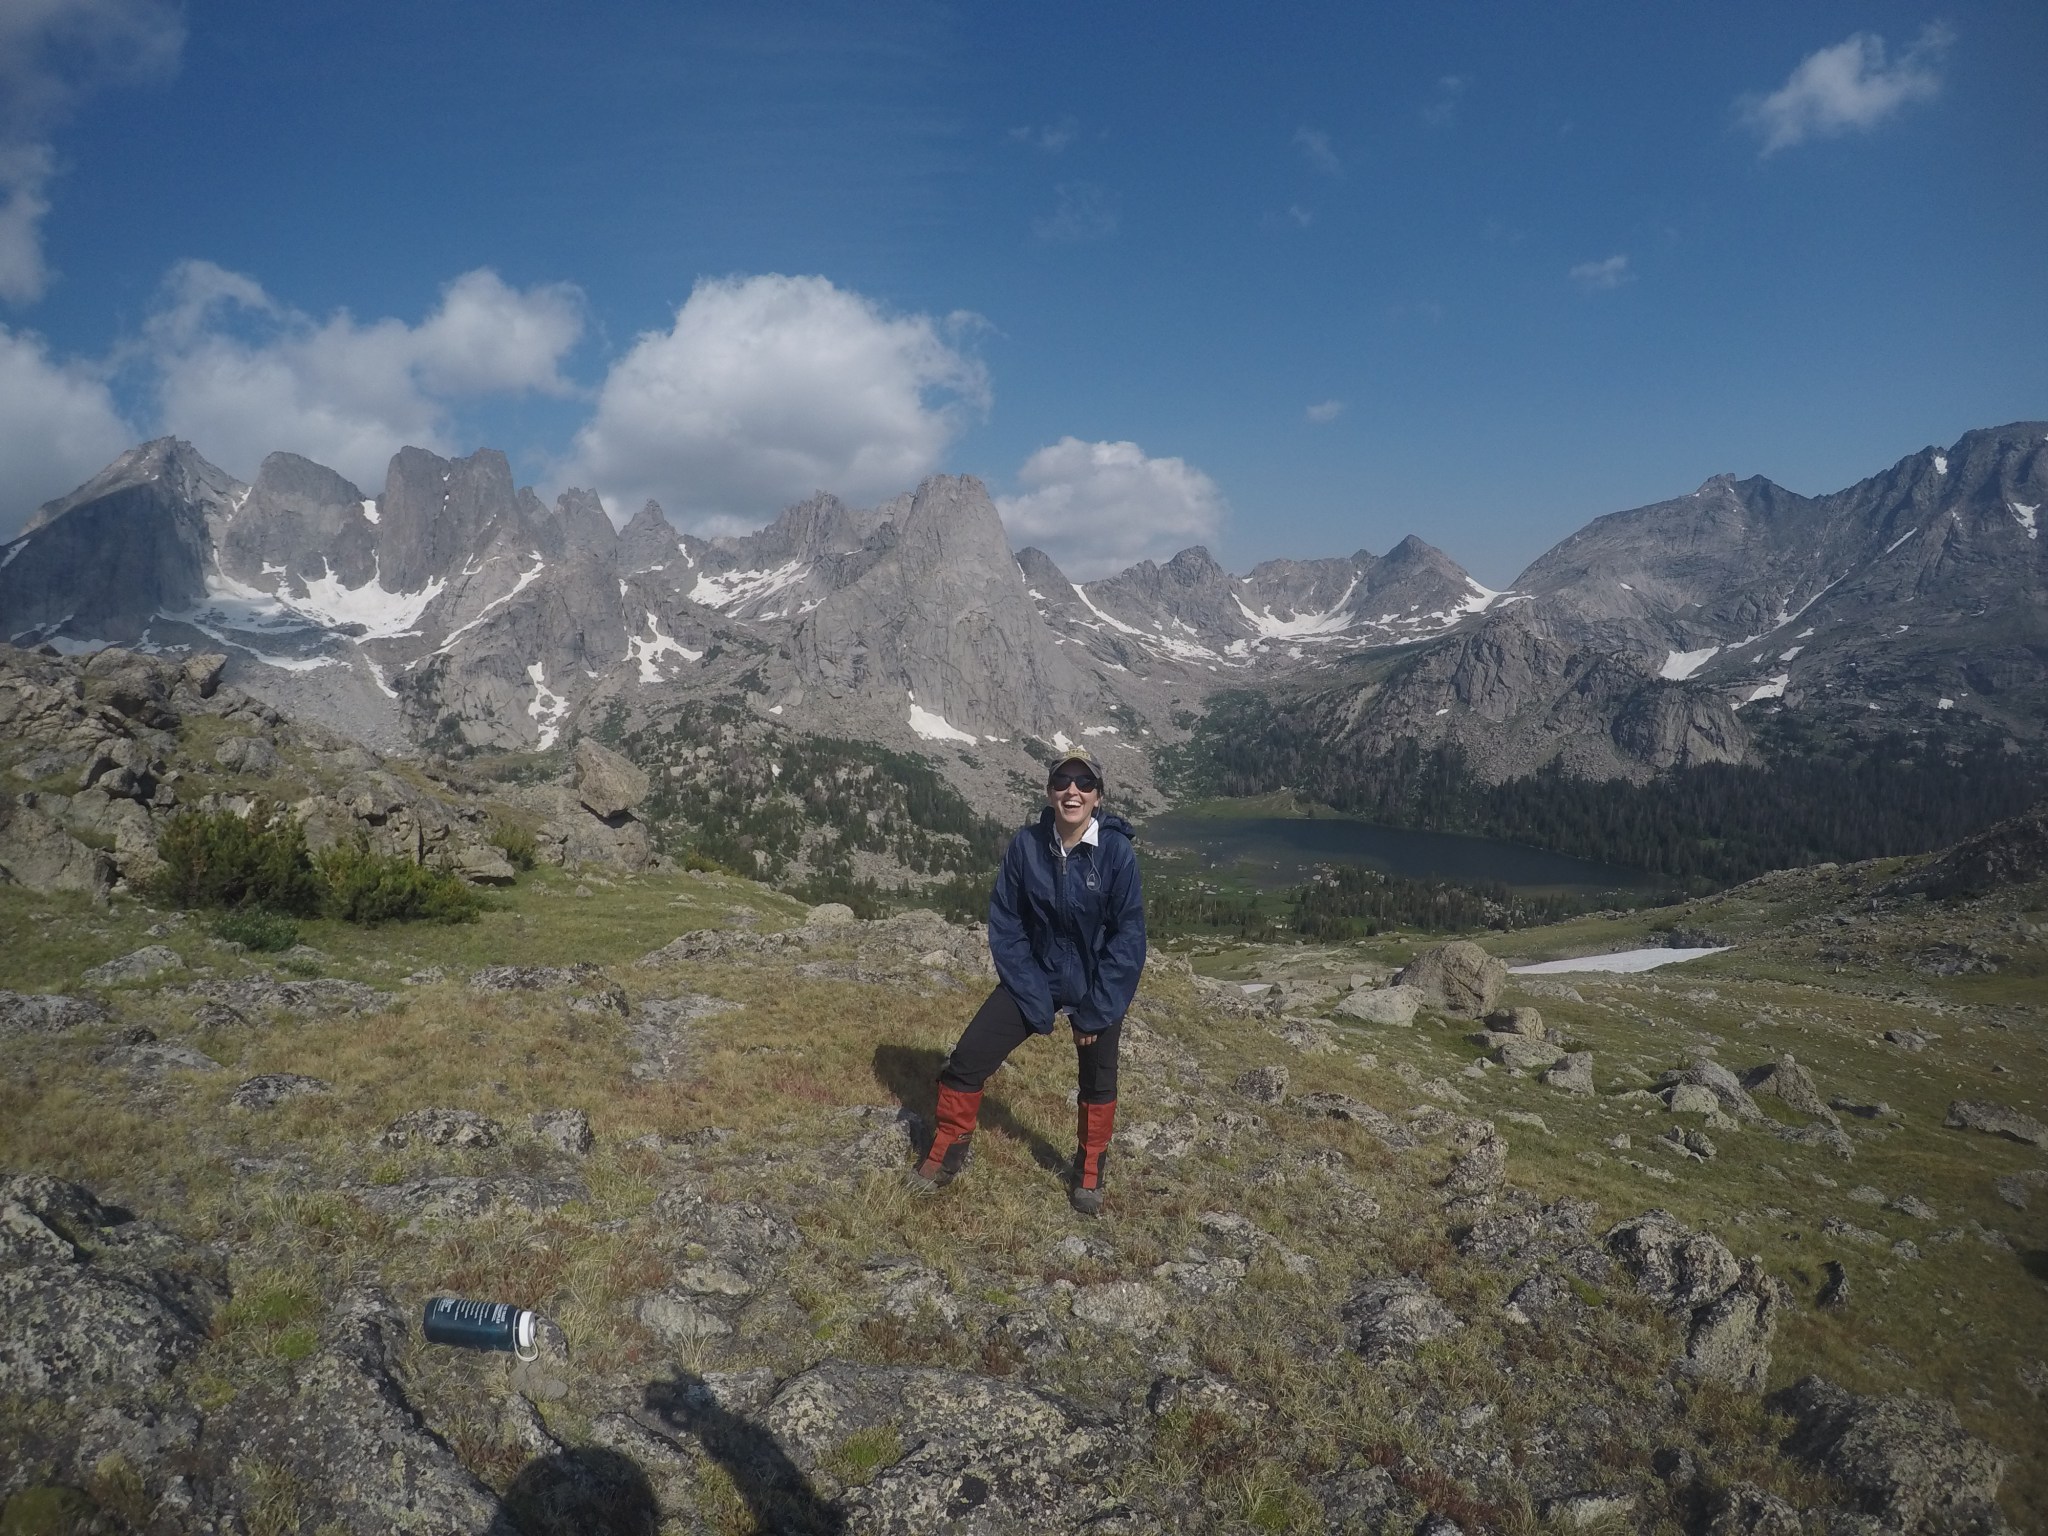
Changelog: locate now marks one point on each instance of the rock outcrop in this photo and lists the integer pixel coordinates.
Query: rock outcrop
(1458, 978)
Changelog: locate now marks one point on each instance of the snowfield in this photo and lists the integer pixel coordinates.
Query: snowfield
(1622, 962)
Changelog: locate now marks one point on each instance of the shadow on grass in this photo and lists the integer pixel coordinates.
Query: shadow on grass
(587, 1491)
(774, 1488)
(911, 1074)
(2035, 1262)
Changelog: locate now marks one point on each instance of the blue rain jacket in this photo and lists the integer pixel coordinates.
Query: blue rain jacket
(1069, 931)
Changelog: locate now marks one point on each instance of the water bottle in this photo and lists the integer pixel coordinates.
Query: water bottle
(481, 1325)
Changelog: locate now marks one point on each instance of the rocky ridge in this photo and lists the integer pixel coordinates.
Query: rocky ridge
(454, 607)
(99, 751)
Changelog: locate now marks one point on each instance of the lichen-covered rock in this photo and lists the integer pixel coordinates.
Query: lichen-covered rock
(1517, 1021)
(1262, 1085)
(90, 1299)
(585, 979)
(356, 1454)
(1995, 1120)
(1523, 1053)
(680, 1319)
(1906, 1460)
(137, 965)
(47, 1013)
(253, 995)
(1743, 1509)
(1572, 1074)
(150, 1057)
(1458, 978)
(270, 1089)
(1793, 1085)
(566, 1130)
(1386, 1319)
(1478, 1171)
(664, 1038)
(1730, 1337)
(1382, 1005)
(1727, 1089)
(442, 1128)
(1679, 1267)
(1122, 1306)
(36, 851)
(979, 1453)
(465, 1198)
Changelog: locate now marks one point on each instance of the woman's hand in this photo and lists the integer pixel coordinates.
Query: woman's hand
(1081, 1039)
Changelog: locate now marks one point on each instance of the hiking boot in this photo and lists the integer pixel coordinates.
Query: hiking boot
(952, 1141)
(1091, 1157)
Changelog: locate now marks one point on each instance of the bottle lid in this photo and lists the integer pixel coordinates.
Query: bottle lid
(523, 1328)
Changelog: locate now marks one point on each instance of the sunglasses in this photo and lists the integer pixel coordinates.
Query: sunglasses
(1087, 783)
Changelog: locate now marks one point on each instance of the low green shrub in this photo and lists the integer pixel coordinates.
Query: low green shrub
(516, 843)
(219, 859)
(255, 928)
(366, 887)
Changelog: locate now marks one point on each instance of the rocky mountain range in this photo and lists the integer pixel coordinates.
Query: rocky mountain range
(456, 608)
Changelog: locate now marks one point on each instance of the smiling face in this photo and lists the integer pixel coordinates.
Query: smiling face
(1072, 805)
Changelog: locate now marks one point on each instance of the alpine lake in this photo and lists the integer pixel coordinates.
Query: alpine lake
(1274, 842)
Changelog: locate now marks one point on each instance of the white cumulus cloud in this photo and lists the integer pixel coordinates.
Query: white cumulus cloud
(1599, 276)
(241, 374)
(1099, 507)
(768, 388)
(58, 427)
(52, 54)
(1846, 87)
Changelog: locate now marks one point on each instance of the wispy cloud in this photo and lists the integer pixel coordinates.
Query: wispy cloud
(53, 53)
(1442, 110)
(1325, 411)
(1846, 88)
(1084, 212)
(1099, 507)
(1599, 276)
(1315, 148)
(1302, 217)
(1051, 137)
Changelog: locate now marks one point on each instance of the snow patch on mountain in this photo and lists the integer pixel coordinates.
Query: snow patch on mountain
(547, 708)
(1303, 626)
(1773, 689)
(937, 727)
(2025, 514)
(735, 589)
(1680, 665)
(648, 652)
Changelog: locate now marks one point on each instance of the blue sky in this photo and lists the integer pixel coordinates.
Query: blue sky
(1289, 280)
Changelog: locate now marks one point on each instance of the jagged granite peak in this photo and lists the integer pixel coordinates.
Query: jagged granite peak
(136, 539)
(1634, 644)
(788, 568)
(436, 513)
(649, 542)
(939, 631)
(301, 521)
(582, 523)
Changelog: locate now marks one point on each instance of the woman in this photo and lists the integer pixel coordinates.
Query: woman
(1066, 927)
